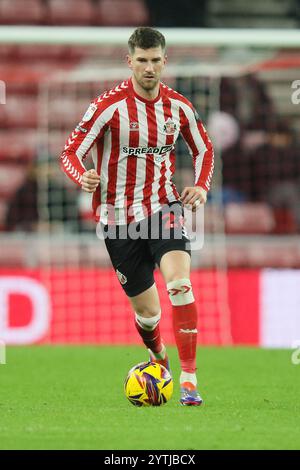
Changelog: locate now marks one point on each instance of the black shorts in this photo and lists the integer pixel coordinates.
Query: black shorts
(136, 248)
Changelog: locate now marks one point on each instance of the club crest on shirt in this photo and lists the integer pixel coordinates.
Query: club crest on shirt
(134, 126)
(169, 127)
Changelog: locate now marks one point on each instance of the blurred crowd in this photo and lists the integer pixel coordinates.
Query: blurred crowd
(260, 158)
(257, 145)
(260, 153)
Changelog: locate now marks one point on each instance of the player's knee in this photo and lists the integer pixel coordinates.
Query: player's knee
(147, 311)
(180, 291)
(148, 323)
(176, 276)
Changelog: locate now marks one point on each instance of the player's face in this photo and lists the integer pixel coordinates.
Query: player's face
(147, 66)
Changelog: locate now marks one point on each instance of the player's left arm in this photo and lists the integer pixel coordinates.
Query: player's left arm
(201, 149)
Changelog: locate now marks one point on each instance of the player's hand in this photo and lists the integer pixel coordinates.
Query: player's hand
(90, 181)
(193, 196)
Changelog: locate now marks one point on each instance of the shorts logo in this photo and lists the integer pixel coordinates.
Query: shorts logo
(122, 278)
(134, 126)
(169, 127)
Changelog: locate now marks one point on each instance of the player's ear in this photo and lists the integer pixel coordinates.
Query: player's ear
(165, 59)
(129, 61)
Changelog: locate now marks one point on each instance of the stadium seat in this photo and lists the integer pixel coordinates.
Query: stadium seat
(76, 52)
(26, 87)
(122, 13)
(285, 221)
(57, 141)
(249, 218)
(267, 14)
(8, 52)
(18, 144)
(64, 112)
(22, 12)
(20, 111)
(71, 12)
(31, 53)
(11, 178)
(213, 219)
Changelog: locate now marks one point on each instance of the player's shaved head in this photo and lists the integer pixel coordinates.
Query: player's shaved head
(146, 38)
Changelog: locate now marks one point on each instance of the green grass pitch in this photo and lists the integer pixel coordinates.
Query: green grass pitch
(57, 397)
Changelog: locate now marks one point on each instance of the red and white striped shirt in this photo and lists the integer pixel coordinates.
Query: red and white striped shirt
(132, 141)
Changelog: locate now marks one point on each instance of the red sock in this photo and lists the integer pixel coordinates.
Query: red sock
(151, 339)
(185, 319)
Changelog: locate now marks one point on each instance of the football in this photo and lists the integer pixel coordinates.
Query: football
(148, 384)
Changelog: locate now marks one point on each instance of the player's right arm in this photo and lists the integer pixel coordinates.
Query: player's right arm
(79, 143)
(90, 181)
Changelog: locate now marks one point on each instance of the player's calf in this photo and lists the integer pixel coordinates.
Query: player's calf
(148, 329)
(185, 328)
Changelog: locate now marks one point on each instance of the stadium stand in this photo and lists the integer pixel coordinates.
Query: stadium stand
(20, 12)
(249, 218)
(119, 13)
(198, 13)
(74, 12)
(71, 12)
(258, 152)
(267, 14)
